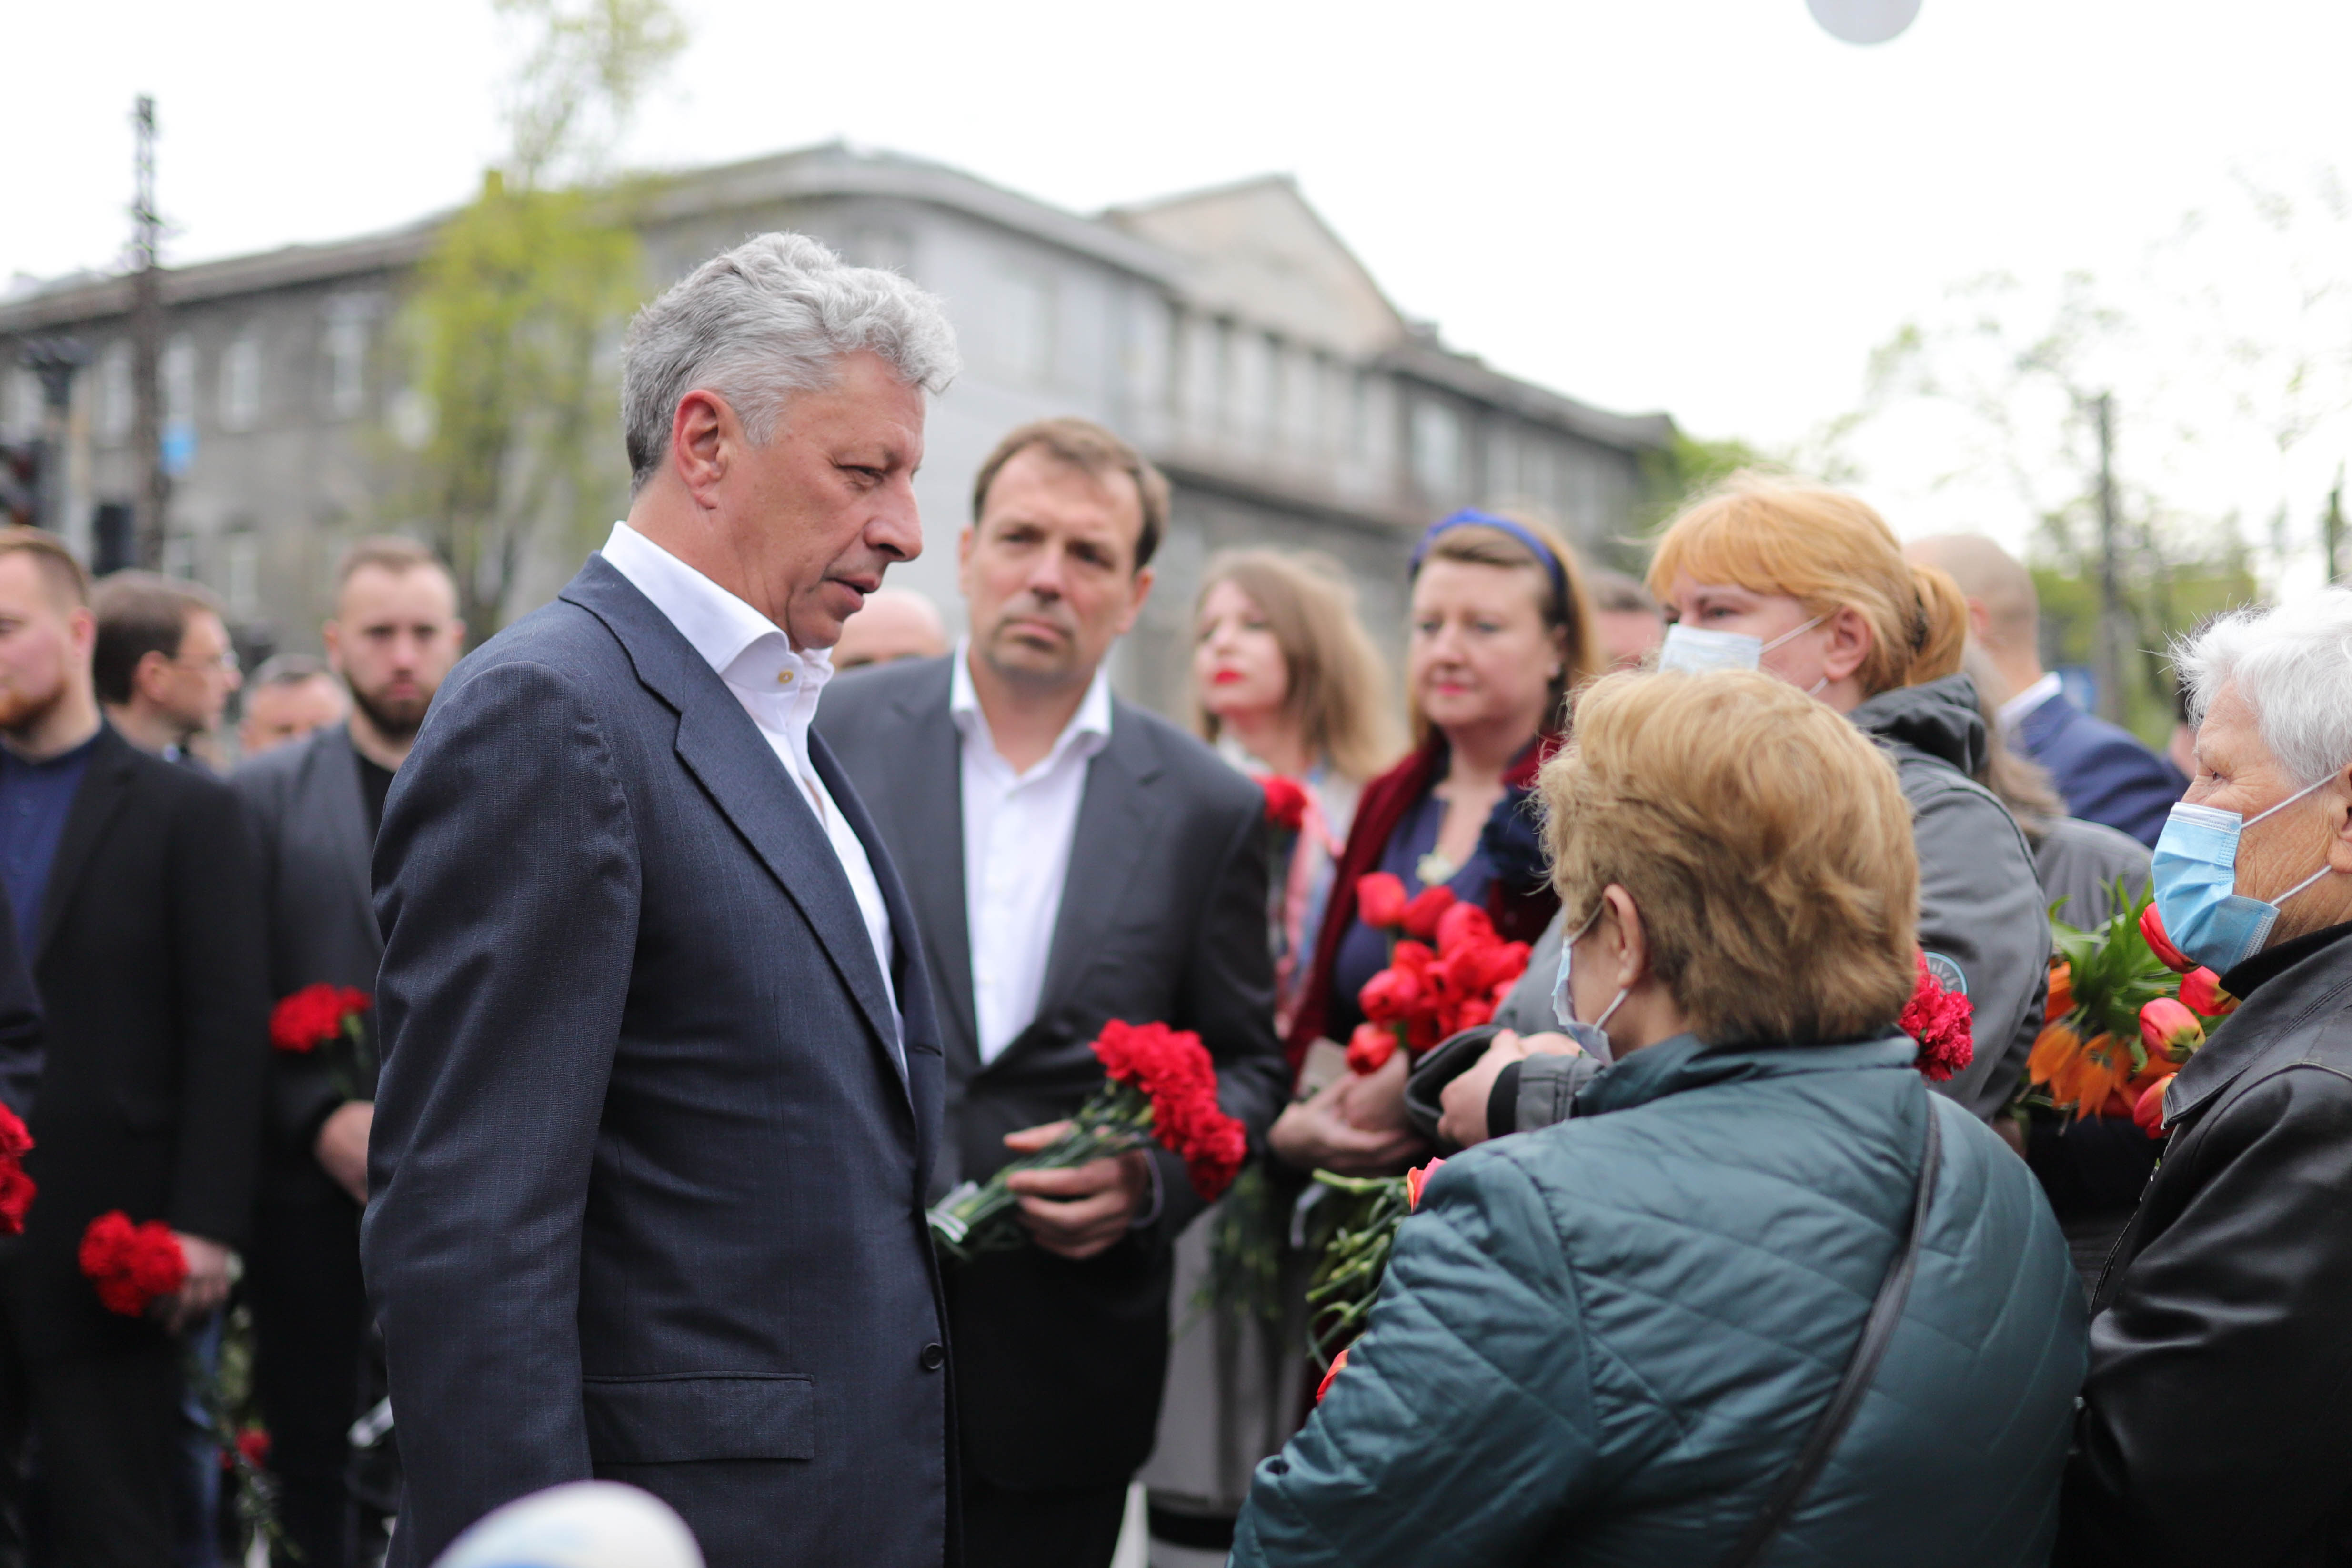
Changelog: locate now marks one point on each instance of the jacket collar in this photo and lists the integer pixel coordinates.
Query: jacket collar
(2283, 1003)
(1686, 1062)
(718, 744)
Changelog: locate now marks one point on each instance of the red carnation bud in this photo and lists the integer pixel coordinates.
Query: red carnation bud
(1324, 1387)
(2151, 926)
(1380, 899)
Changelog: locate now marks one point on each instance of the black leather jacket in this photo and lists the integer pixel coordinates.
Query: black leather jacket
(2218, 1412)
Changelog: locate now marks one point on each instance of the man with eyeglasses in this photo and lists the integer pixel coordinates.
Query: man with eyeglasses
(164, 666)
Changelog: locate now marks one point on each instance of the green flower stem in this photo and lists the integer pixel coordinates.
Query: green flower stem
(978, 1218)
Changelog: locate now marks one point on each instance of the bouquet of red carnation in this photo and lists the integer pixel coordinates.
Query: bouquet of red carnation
(322, 1016)
(1448, 970)
(1160, 1084)
(1940, 1020)
(133, 1266)
(16, 1187)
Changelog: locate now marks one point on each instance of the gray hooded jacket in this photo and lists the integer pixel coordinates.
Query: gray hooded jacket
(1980, 904)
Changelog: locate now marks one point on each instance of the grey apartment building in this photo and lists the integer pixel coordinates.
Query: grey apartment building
(1229, 333)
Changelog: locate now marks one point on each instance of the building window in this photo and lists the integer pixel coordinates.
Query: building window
(342, 347)
(240, 384)
(117, 403)
(1436, 453)
(178, 375)
(1021, 322)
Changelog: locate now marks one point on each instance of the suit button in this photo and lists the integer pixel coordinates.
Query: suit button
(935, 1356)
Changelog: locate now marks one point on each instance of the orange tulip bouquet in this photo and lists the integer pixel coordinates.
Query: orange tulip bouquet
(2126, 1010)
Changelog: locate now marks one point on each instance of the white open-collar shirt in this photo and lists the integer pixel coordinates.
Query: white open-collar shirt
(1017, 828)
(777, 687)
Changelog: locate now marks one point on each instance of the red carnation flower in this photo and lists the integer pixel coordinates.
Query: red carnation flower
(1380, 899)
(15, 1142)
(1939, 1021)
(17, 1194)
(314, 1016)
(252, 1445)
(1423, 910)
(133, 1266)
(1285, 802)
(1369, 1048)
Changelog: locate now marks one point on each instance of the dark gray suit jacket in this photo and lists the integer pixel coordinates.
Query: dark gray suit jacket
(648, 1178)
(1059, 1364)
(315, 845)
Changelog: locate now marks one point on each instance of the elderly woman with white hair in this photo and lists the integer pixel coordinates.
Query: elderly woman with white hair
(2216, 1418)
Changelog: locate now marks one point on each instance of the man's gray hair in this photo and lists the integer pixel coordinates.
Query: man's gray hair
(2292, 665)
(771, 316)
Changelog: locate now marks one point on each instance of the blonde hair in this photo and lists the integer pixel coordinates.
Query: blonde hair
(1764, 839)
(1568, 610)
(1829, 551)
(1336, 681)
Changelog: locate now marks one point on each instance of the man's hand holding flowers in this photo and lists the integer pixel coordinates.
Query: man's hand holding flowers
(1080, 1210)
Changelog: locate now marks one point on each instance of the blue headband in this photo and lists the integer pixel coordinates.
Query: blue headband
(1471, 517)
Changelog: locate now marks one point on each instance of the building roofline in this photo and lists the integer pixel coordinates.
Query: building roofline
(1459, 373)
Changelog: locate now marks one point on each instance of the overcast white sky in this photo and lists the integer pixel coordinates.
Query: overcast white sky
(1707, 206)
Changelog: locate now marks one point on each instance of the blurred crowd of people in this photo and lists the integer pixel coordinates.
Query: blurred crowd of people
(1719, 1274)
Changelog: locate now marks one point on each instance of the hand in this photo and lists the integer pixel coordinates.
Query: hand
(1079, 1212)
(343, 1143)
(1375, 1101)
(1315, 1135)
(208, 1283)
(1463, 1101)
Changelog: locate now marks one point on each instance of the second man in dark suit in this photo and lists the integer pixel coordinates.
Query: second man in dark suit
(317, 804)
(1071, 860)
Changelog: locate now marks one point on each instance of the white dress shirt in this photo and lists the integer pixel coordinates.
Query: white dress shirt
(777, 688)
(1017, 828)
(2012, 712)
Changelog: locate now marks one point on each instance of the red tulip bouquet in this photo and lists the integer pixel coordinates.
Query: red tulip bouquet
(1448, 970)
(2126, 1009)
(135, 1266)
(328, 1019)
(1160, 1085)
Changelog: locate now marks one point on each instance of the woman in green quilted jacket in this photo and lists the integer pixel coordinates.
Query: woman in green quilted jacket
(1614, 1340)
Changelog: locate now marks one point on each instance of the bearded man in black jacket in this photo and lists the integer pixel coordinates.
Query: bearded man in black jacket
(2215, 1420)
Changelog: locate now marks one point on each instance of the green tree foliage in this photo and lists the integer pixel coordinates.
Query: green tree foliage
(514, 313)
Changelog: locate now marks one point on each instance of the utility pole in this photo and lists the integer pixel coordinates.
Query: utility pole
(147, 346)
(2111, 598)
(2331, 529)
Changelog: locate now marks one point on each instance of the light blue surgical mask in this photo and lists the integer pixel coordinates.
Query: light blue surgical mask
(1697, 649)
(2196, 884)
(1591, 1038)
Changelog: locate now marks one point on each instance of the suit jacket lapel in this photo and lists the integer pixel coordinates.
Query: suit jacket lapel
(105, 786)
(926, 799)
(1116, 815)
(724, 750)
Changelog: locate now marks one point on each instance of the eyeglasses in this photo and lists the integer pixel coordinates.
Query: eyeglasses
(224, 662)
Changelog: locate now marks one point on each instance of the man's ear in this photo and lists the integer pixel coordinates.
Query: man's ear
(1138, 590)
(2339, 822)
(703, 435)
(147, 677)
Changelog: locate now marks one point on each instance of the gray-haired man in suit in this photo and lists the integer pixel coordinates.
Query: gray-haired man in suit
(661, 1081)
(1071, 859)
(317, 803)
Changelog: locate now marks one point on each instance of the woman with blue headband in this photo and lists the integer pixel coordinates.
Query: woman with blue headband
(1499, 631)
